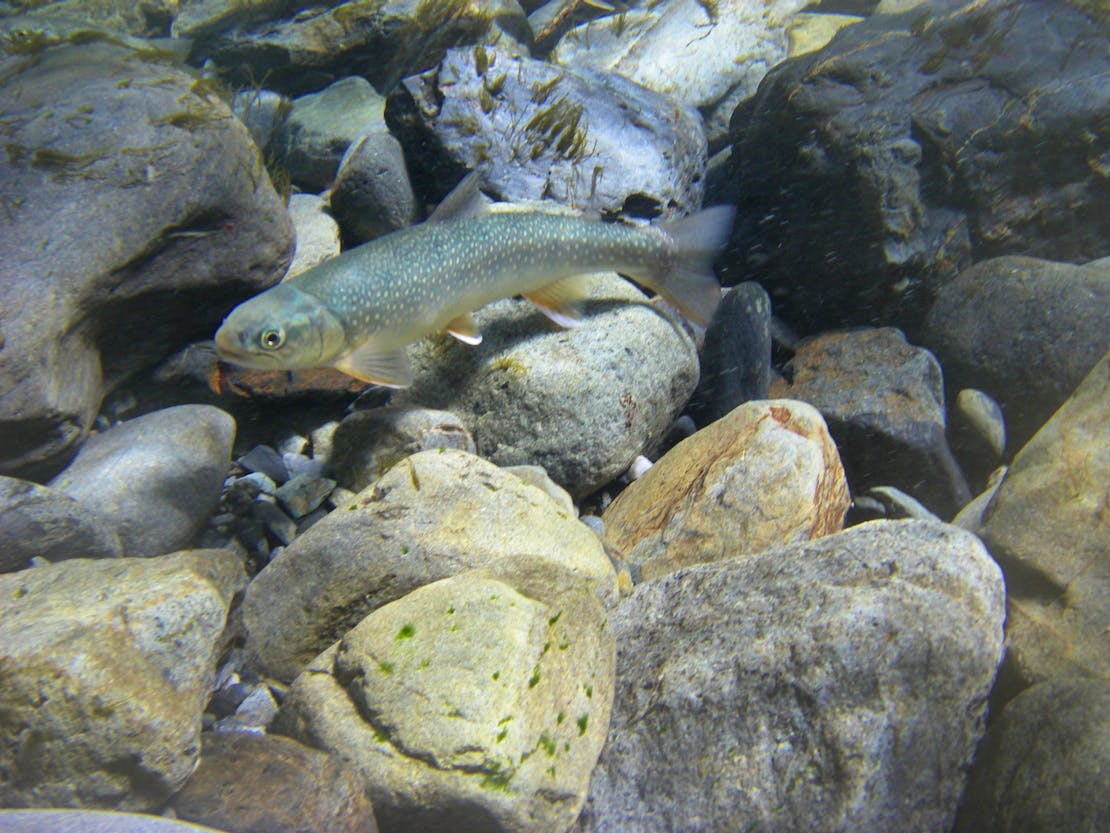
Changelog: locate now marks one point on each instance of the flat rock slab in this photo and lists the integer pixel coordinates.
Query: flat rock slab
(835, 685)
(431, 516)
(105, 667)
(765, 475)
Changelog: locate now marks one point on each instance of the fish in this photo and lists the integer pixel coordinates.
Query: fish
(358, 311)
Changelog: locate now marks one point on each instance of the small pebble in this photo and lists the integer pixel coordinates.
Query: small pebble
(299, 464)
(266, 460)
(280, 525)
(983, 417)
(900, 505)
(263, 482)
(304, 493)
(639, 467)
(595, 523)
(293, 444)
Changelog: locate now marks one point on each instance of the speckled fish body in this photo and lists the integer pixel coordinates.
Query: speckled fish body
(359, 310)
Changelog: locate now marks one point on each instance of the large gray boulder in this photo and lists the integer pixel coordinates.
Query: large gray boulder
(156, 478)
(581, 402)
(136, 212)
(479, 702)
(105, 667)
(835, 685)
(914, 144)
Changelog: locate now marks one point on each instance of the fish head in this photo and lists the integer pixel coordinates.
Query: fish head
(284, 328)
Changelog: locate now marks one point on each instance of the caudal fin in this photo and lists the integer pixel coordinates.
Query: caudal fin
(690, 284)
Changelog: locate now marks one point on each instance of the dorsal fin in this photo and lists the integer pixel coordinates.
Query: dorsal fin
(465, 200)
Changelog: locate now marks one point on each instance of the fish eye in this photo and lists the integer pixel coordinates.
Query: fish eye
(272, 338)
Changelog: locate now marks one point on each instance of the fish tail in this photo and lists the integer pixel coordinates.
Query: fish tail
(687, 280)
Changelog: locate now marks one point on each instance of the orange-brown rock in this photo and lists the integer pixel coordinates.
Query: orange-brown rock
(766, 474)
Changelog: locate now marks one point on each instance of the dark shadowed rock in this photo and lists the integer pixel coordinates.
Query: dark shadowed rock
(248, 783)
(298, 49)
(829, 686)
(736, 356)
(884, 402)
(1044, 766)
(38, 522)
(1023, 330)
(916, 143)
(136, 212)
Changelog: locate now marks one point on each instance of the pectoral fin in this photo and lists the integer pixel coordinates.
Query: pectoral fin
(370, 364)
(560, 301)
(464, 329)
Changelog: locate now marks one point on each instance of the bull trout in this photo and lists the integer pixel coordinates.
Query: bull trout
(358, 311)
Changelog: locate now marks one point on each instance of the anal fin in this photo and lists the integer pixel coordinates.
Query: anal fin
(390, 369)
(560, 301)
(464, 329)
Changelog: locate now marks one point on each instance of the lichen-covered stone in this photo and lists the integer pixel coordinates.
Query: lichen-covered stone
(476, 702)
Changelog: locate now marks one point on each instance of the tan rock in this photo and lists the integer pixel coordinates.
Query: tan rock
(1049, 527)
(435, 514)
(480, 701)
(105, 667)
(765, 475)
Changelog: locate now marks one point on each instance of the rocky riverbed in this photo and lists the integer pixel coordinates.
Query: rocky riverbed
(840, 560)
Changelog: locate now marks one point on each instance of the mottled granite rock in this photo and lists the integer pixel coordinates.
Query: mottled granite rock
(834, 685)
(106, 667)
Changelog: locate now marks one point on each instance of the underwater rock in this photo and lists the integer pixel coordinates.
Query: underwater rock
(1044, 765)
(369, 443)
(38, 522)
(810, 31)
(479, 702)
(432, 515)
(766, 475)
(156, 478)
(299, 50)
(914, 144)
(107, 665)
(317, 233)
(372, 194)
(581, 402)
(92, 821)
(1025, 331)
(136, 213)
(977, 433)
(320, 127)
(884, 402)
(706, 55)
(270, 784)
(1048, 527)
(839, 684)
(262, 112)
(589, 139)
(736, 356)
